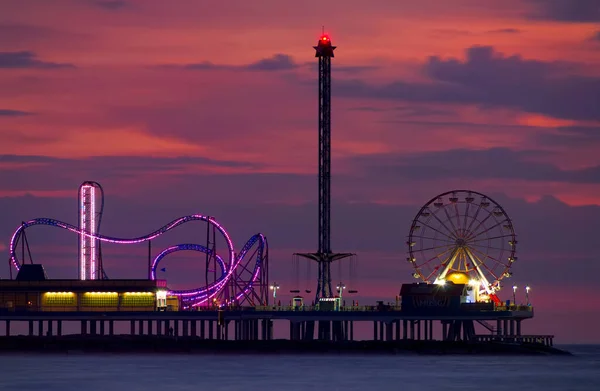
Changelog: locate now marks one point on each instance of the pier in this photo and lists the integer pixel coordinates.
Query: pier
(256, 323)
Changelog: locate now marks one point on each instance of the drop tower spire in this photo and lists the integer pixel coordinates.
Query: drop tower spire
(324, 256)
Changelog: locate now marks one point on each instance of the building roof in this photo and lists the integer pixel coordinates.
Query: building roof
(68, 285)
(448, 289)
(29, 272)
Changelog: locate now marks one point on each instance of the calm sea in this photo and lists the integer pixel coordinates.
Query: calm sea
(83, 372)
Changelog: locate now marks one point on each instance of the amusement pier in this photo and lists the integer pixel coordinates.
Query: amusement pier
(461, 246)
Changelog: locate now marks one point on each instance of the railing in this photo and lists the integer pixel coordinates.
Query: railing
(74, 308)
(364, 308)
(547, 340)
(79, 284)
(514, 307)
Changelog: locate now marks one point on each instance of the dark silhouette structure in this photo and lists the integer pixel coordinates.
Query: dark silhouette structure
(324, 256)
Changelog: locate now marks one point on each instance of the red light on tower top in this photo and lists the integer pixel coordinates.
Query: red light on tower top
(324, 47)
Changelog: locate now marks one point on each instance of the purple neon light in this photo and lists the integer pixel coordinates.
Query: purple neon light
(109, 239)
(239, 259)
(200, 293)
(87, 223)
(187, 293)
(262, 243)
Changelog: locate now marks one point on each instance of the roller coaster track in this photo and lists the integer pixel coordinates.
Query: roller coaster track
(193, 297)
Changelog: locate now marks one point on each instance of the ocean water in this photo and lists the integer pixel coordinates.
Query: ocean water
(168, 372)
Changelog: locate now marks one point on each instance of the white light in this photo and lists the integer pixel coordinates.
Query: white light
(161, 295)
(440, 282)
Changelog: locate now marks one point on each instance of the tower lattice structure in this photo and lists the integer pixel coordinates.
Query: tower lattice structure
(324, 256)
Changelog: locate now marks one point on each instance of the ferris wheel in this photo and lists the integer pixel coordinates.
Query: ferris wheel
(464, 237)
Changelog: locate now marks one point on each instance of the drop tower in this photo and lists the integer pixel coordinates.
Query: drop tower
(324, 256)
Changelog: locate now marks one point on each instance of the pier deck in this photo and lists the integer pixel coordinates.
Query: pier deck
(256, 323)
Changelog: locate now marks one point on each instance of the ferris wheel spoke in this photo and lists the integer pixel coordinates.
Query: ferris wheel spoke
(437, 239)
(435, 257)
(488, 257)
(492, 238)
(449, 264)
(460, 260)
(451, 236)
(477, 234)
(435, 270)
(456, 231)
(460, 231)
(466, 260)
(433, 248)
(487, 268)
(478, 267)
(487, 247)
(436, 230)
(466, 219)
(480, 223)
(474, 218)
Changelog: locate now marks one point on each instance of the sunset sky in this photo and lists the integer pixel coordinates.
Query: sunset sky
(196, 106)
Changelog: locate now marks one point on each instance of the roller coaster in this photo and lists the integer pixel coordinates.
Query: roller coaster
(239, 281)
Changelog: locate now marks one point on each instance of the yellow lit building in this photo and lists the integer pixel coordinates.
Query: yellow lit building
(23, 294)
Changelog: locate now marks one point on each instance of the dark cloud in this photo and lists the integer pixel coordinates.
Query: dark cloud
(26, 59)
(29, 159)
(496, 163)
(566, 10)
(57, 173)
(344, 69)
(452, 32)
(505, 31)
(466, 33)
(125, 161)
(353, 69)
(15, 36)
(19, 137)
(278, 62)
(455, 124)
(572, 136)
(491, 79)
(13, 113)
(19, 33)
(406, 112)
(111, 5)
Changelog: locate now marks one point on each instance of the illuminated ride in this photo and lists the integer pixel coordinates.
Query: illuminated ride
(242, 287)
(90, 250)
(239, 276)
(464, 237)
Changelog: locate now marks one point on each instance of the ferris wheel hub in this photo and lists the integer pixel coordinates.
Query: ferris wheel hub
(460, 242)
